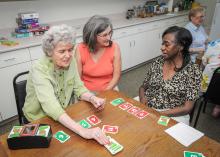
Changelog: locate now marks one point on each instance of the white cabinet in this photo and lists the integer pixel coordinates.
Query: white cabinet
(125, 47)
(138, 44)
(11, 64)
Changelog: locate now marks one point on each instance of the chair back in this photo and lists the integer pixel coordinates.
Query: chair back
(212, 94)
(20, 94)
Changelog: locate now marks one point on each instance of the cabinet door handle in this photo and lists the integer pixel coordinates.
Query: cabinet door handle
(134, 43)
(9, 59)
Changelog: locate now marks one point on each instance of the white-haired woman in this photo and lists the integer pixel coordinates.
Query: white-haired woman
(98, 58)
(53, 81)
(200, 38)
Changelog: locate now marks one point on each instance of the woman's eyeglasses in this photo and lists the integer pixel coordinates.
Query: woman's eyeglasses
(104, 35)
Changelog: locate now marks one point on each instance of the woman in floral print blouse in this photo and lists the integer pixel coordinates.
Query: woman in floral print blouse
(172, 81)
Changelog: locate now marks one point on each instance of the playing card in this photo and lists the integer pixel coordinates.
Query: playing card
(142, 114)
(61, 136)
(29, 130)
(163, 120)
(84, 124)
(117, 101)
(192, 154)
(114, 147)
(133, 110)
(43, 130)
(125, 106)
(110, 129)
(93, 120)
(15, 131)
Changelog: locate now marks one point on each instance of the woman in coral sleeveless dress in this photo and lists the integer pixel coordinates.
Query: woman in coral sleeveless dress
(98, 58)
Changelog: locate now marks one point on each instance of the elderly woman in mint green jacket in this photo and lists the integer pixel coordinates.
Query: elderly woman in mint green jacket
(54, 82)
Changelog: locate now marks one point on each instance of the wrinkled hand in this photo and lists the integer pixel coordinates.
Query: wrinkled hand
(99, 103)
(96, 134)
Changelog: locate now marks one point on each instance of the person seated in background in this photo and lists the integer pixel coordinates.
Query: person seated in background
(54, 80)
(172, 81)
(98, 57)
(200, 38)
(211, 61)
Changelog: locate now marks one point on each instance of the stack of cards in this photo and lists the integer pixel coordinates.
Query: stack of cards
(192, 154)
(114, 147)
(61, 136)
(163, 120)
(43, 130)
(15, 131)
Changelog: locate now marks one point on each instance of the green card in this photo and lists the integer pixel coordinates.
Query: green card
(163, 120)
(114, 147)
(84, 124)
(192, 154)
(15, 131)
(61, 136)
(117, 101)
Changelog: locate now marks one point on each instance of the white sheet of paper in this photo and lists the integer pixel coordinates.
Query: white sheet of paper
(184, 134)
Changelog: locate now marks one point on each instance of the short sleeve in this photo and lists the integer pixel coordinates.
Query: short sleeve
(194, 83)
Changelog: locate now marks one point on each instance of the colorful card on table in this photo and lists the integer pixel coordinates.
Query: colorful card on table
(15, 131)
(125, 106)
(192, 154)
(133, 110)
(84, 124)
(114, 147)
(163, 120)
(117, 101)
(142, 114)
(93, 120)
(29, 130)
(43, 130)
(61, 136)
(110, 129)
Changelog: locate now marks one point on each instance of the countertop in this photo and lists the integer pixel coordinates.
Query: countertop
(118, 21)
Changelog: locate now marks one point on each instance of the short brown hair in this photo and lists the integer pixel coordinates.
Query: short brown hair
(194, 11)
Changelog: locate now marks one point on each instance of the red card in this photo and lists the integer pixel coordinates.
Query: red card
(110, 129)
(134, 110)
(142, 114)
(93, 120)
(29, 130)
(125, 106)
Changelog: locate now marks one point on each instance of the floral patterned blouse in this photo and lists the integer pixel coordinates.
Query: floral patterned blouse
(167, 94)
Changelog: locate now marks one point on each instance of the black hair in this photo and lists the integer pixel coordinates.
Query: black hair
(183, 38)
